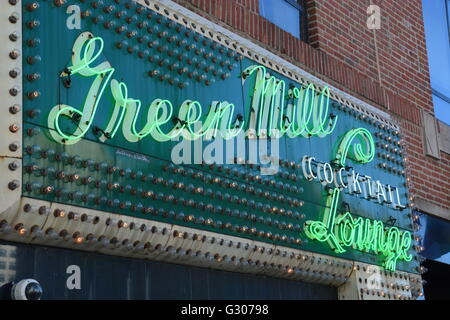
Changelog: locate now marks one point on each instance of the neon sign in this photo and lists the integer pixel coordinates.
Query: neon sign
(306, 112)
(367, 235)
(272, 112)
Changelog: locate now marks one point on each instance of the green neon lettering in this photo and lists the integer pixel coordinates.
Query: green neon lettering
(86, 50)
(306, 111)
(362, 234)
(323, 231)
(85, 54)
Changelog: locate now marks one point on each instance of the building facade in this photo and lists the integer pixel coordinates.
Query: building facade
(224, 149)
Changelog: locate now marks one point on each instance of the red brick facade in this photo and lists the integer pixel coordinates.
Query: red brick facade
(388, 68)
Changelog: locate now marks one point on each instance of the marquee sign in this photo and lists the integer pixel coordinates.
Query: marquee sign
(116, 93)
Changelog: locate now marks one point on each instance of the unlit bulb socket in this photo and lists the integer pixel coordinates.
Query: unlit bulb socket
(14, 146)
(14, 73)
(14, 91)
(14, 165)
(33, 95)
(14, 36)
(13, 185)
(14, 109)
(59, 3)
(14, 128)
(14, 54)
(43, 210)
(32, 6)
(14, 17)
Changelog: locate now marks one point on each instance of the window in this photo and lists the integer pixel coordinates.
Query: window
(289, 15)
(436, 19)
(434, 237)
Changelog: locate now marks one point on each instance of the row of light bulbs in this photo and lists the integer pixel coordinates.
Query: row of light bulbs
(190, 203)
(361, 116)
(113, 243)
(212, 57)
(36, 152)
(15, 90)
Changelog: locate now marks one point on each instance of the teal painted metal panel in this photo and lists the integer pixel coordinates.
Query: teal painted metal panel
(138, 179)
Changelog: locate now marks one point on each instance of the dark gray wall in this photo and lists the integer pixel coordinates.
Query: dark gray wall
(109, 277)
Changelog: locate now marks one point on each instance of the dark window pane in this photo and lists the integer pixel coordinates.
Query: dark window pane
(281, 13)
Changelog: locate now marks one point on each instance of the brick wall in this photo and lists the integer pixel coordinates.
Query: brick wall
(387, 68)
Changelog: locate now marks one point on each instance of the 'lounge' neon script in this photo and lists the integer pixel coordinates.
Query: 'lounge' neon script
(362, 234)
(306, 112)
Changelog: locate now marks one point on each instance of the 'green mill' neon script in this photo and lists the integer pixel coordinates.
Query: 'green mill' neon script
(307, 110)
(305, 113)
